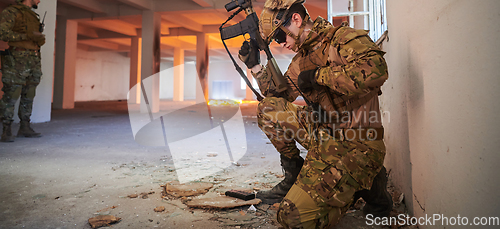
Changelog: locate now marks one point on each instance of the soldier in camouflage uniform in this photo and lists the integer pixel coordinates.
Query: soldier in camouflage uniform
(21, 68)
(339, 71)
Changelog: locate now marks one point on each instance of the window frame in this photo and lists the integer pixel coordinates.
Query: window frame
(374, 14)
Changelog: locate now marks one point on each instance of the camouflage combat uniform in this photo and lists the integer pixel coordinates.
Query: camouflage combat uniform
(345, 148)
(21, 70)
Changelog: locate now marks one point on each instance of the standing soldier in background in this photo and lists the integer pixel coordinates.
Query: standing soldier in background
(339, 72)
(21, 67)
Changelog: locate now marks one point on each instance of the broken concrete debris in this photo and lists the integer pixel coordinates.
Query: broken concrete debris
(220, 202)
(234, 212)
(242, 219)
(103, 221)
(177, 190)
(159, 209)
(132, 196)
(143, 195)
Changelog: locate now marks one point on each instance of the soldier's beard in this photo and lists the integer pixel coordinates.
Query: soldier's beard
(34, 5)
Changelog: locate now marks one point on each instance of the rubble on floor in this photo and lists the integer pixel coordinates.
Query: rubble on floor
(159, 209)
(220, 202)
(175, 189)
(229, 211)
(103, 221)
(205, 199)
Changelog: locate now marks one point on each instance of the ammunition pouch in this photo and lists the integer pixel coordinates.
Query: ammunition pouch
(345, 103)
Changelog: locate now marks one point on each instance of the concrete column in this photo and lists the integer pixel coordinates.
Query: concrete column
(43, 99)
(150, 100)
(178, 74)
(65, 67)
(202, 65)
(249, 93)
(135, 70)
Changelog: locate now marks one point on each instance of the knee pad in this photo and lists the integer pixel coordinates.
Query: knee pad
(30, 91)
(11, 93)
(288, 214)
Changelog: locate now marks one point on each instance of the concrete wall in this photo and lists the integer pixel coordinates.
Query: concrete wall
(225, 70)
(218, 71)
(101, 76)
(167, 80)
(43, 98)
(442, 95)
(104, 76)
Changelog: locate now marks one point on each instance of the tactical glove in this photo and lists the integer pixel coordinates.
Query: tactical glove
(37, 37)
(306, 81)
(250, 53)
(41, 42)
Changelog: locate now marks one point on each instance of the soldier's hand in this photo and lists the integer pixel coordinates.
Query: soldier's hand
(306, 80)
(35, 33)
(250, 53)
(38, 38)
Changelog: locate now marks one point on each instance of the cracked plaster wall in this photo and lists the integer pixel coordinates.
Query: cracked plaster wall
(101, 76)
(442, 93)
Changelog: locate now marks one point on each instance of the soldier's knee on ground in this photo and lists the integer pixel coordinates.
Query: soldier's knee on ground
(288, 215)
(299, 210)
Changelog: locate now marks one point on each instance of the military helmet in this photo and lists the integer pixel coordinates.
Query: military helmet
(19, 1)
(273, 16)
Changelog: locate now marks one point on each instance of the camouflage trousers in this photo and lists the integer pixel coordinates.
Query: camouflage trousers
(21, 74)
(333, 169)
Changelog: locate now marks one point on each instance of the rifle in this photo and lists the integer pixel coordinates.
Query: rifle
(42, 25)
(250, 25)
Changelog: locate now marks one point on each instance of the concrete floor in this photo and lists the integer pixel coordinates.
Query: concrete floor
(87, 163)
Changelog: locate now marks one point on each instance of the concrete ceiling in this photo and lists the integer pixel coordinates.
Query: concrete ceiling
(109, 24)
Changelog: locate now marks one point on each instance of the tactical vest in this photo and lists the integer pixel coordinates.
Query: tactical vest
(27, 22)
(328, 99)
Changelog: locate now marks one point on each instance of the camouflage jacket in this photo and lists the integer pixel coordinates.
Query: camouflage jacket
(16, 22)
(350, 66)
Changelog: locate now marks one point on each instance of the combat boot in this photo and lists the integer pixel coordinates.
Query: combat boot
(378, 200)
(7, 133)
(291, 168)
(26, 131)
